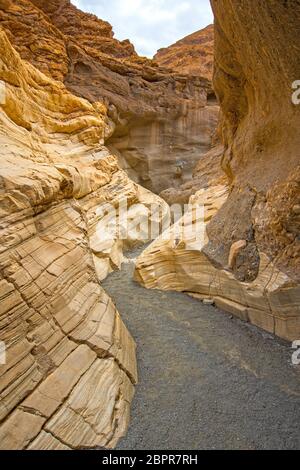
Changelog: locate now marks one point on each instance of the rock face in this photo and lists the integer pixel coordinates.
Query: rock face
(88, 30)
(259, 129)
(163, 121)
(70, 364)
(192, 55)
(207, 172)
(249, 263)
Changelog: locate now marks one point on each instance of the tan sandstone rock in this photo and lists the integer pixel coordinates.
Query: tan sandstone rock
(271, 301)
(67, 347)
(249, 262)
(163, 120)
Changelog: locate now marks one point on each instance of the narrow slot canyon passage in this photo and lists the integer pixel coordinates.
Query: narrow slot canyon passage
(206, 380)
(192, 142)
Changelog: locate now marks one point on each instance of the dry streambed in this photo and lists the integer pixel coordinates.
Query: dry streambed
(206, 380)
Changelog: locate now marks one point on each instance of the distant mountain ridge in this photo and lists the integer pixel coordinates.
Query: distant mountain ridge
(193, 54)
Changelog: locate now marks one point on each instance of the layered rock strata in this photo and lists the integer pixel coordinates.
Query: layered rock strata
(70, 368)
(192, 55)
(163, 120)
(177, 261)
(250, 261)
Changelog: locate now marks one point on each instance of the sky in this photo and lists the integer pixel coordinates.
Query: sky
(151, 24)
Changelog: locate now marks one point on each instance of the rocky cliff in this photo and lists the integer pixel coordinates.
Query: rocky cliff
(163, 121)
(249, 263)
(207, 172)
(70, 368)
(192, 55)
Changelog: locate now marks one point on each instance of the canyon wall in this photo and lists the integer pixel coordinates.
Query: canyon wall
(70, 369)
(207, 172)
(192, 55)
(163, 120)
(249, 262)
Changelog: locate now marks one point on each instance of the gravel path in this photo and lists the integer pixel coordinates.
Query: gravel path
(206, 380)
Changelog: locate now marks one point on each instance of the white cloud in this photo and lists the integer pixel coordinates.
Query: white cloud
(151, 24)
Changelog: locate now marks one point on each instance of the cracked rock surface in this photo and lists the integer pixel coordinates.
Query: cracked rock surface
(70, 369)
(155, 111)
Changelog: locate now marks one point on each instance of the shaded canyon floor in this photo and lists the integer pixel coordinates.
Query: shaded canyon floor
(206, 380)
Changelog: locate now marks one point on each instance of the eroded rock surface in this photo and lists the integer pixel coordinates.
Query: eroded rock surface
(256, 65)
(193, 55)
(163, 121)
(207, 172)
(177, 261)
(70, 364)
(260, 125)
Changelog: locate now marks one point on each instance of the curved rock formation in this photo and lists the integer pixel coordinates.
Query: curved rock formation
(260, 125)
(164, 121)
(207, 173)
(192, 55)
(70, 368)
(250, 262)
